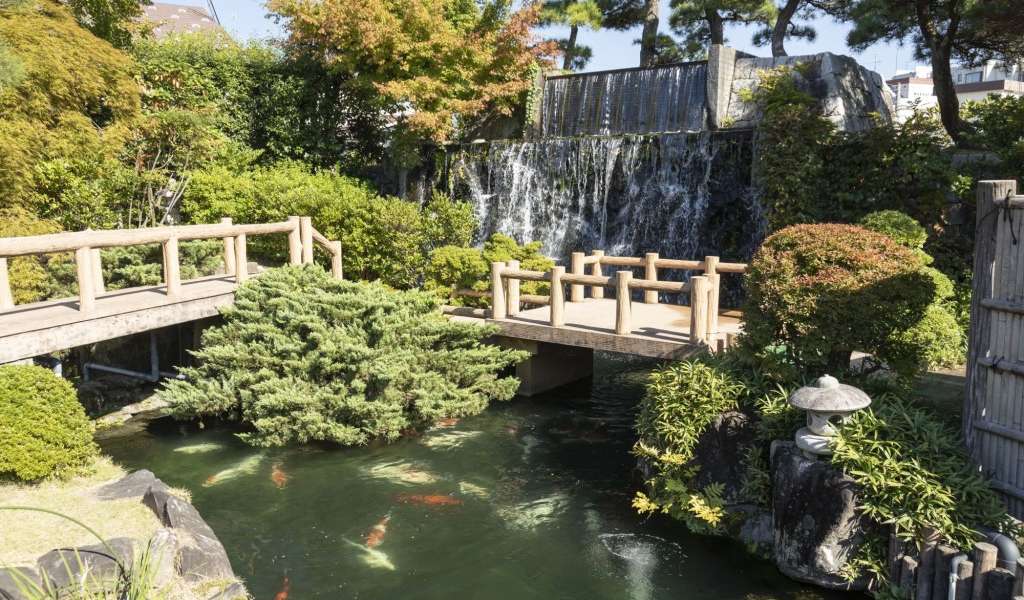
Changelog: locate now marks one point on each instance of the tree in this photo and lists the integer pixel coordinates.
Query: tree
(939, 31)
(702, 22)
(437, 66)
(649, 38)
(117, 21)
(777, 31)
(576, 14)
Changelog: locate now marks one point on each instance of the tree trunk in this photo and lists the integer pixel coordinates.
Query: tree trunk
(570, 48)
(941, 50)
(782, 27)
(649, 39)
(716, 26)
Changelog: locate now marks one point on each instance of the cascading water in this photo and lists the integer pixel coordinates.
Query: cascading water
(669, 98)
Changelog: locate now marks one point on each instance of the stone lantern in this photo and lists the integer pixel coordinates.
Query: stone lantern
(827, 402)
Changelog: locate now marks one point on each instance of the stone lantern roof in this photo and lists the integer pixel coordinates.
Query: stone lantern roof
(826, 394)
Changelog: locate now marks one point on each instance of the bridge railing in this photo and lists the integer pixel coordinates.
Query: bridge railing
(703, 289)
(87, 244)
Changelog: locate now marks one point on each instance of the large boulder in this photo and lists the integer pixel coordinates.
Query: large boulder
(200, 554)
(14, 580)
(816, 525)
(97, 564)
(134, 485)
(720, 454)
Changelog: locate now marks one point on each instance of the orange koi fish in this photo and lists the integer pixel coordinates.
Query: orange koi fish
(428, 499)
(286, 587)
(376, 536)
(450, 422)
(278, 476)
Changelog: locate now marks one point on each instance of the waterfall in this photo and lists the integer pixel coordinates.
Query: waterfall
(683, 195)
(669, 98)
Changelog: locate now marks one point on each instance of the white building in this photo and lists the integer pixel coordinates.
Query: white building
(171, 19)
(913, 90)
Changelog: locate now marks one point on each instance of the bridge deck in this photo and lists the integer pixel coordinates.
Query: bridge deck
(658, 330)
(44, 327)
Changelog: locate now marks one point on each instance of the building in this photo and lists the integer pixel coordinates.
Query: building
(179, 18)
(913, 90)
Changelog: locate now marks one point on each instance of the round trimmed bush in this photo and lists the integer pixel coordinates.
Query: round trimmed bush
(44, 431)
(823, 291)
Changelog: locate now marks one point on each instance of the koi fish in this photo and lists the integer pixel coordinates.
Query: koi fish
(476, 491)
(376, 536)
(246, 466)
(402, 473)
(278, 476)
(286, 587)
(449, 440)
(373, 558)
(449, 422)
(428, 499)
(199, 448)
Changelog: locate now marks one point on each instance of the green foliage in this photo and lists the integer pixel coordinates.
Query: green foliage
(303, 357)
(997, 125)
(116, 21)
(913, 473)
(810, 172)
(454, 267)
(823, 291)
(898, 227)
(142, 265)
(43, 429)
(29, 275)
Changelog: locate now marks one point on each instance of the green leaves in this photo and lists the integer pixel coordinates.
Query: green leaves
(303, 357)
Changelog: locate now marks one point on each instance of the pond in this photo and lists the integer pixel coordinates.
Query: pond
(529, 500)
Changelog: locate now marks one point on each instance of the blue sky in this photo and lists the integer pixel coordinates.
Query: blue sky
(247, 19)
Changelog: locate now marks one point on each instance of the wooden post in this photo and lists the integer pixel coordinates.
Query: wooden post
(229, 250)
(964, 580)
(1018, 584)
(498, 309)
(576, 290)
(597, 291)
(698, 309)
(999, 585)
(908, 575)
(86, 295)
(172, 268)
(295, 241)
(557, 297)
(984, 562)
(241, 261)
(623, 303)
(943, 563)
(926, 569)
(97, 272)
(6, 298)
(715, 282)
(895, 553)
(512, 290)
(651, 274)
(306, 230)
(336, 269)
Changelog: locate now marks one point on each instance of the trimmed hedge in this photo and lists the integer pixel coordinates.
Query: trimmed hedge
(44, 431)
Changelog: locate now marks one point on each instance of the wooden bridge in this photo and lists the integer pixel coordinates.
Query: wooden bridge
(39, 328)
(554, 329)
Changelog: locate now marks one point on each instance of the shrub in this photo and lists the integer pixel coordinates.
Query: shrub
(913, 473)
(898, 227)
(451, 268)
(303, 357)
(44, 431)
(29, 278)
(823, 291)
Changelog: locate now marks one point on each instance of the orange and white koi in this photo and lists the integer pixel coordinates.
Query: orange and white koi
(376, 536)
(278, 476)
(286, 587)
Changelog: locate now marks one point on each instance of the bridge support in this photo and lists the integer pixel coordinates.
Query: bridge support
(550, 366)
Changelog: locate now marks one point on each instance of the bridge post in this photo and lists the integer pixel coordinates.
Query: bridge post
(306, 230)
(715, 281)
(623, 303)
(295, 241)
(512, 290)
(498, 310)
(651, 274)
(336, 269)
(576, 290)
(172, 268)
(97, 271)
(83, 265)
(557, 297)
(698, 309)
(241, 260)
(229, 250)
(6, 299)
(597, 291)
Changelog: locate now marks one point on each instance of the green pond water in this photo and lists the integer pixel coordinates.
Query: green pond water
(529, 500)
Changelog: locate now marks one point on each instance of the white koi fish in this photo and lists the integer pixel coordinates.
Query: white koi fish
(246, 466)
(199, 448)
(372, 557)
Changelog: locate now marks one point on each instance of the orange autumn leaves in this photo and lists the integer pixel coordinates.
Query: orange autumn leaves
(440, 63)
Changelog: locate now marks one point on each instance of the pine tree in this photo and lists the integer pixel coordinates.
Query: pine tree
(302, 357)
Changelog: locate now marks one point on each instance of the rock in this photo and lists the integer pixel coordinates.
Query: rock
(134, 485)
(163, 556)
(719, 453)
(757, 533)
(13, 580)
(200, 553)
(156, 501)
(232, 591)
(94, 564)
(816, 525)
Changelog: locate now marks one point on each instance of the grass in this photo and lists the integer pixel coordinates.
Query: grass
(25, 536)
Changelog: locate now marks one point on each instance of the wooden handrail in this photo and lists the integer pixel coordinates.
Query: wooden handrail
(87, 244)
